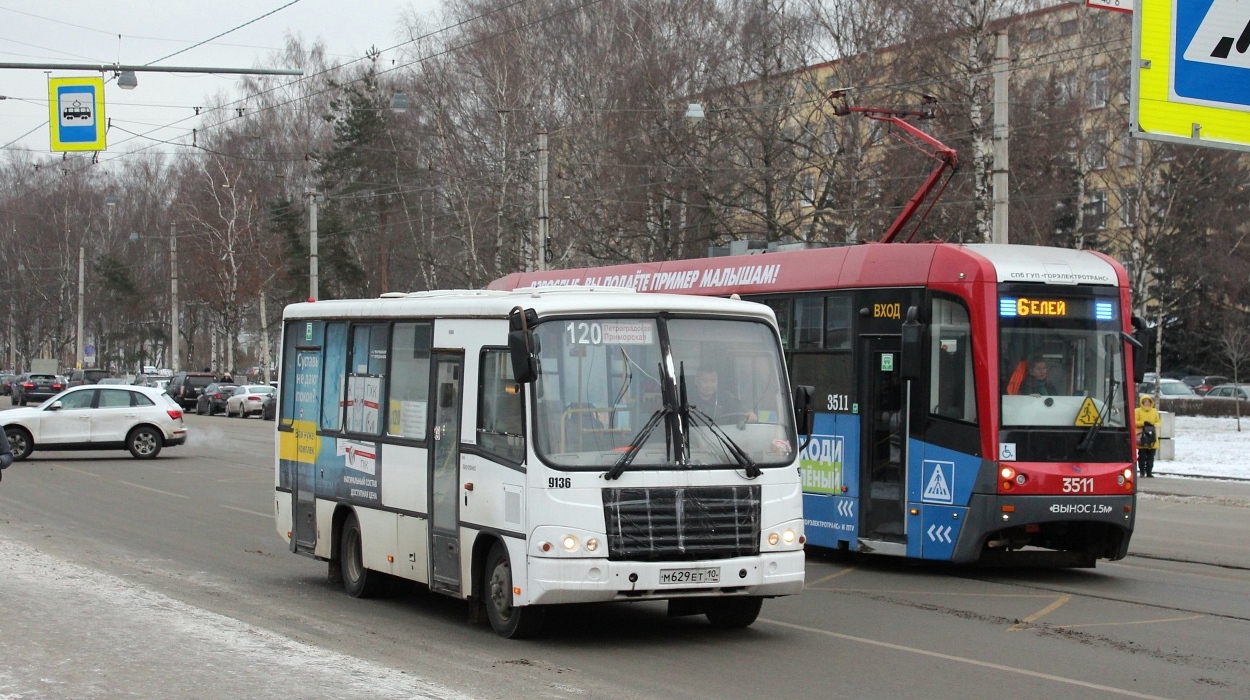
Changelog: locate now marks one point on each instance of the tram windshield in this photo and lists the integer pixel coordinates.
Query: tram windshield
(1063, 363)
(630, 393)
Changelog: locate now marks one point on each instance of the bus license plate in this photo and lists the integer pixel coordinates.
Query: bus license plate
(678, 576)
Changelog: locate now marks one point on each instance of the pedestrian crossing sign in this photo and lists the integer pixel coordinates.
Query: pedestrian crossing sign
(1088, 415)
(1191, 72)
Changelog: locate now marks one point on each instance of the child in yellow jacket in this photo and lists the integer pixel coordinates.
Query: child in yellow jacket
(1146, 447)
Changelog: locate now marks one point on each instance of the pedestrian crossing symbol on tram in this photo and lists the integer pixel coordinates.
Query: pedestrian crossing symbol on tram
(1088, 415)
(937, 482)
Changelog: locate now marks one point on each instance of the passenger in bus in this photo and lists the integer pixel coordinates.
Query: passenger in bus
(1031, 379)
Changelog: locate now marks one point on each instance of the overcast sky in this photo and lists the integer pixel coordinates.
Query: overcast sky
(86, 31)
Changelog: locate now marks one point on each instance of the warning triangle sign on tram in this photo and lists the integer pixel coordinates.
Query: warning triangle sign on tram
(937, 489)
(1088, 415)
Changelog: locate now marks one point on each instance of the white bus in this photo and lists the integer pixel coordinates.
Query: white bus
(525, 449)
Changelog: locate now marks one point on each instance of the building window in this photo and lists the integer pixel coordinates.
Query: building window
(1126, 152)
(1037, 35)
(1067, 27)
(1128, 207)
(1096, 210)
(1096, 92)
(1096, 150)
(1065, 86)
(807, 183)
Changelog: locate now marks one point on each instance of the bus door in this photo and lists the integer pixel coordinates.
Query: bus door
(883, 458)
(304, 470)
(445, 473)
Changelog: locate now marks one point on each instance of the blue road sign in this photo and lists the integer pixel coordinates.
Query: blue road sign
(76, 113)
(1211, 62)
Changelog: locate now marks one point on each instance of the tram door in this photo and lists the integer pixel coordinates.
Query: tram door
(445, 474)
(883, 459)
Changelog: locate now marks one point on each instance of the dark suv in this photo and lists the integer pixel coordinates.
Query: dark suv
(88, 376)
(185, 387)
(35, 387)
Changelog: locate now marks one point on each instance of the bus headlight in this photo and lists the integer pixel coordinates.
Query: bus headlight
(786, 539)
(592, 544)
(569, 543)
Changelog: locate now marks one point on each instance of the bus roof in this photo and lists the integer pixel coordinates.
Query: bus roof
(865, 265)
(545, 301)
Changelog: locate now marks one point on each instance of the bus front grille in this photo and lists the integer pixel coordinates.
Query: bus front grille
(682, 524)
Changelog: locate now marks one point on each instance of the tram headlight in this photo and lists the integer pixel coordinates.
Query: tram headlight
(1128, 474)
(1021, 478)
(1007, 473)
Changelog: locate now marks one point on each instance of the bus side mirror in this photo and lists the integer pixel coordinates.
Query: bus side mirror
(1140, 340)
(523, 344)
(913, 348)
(804, 412)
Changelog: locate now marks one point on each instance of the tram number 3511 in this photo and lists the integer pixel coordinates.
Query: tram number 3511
(838, 402)
(1073, 484)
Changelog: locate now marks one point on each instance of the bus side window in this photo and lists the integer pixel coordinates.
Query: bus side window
(951, 388)
(501, 408)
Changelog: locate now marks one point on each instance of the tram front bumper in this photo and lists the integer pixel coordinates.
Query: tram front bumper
(990, 513)
(555, 581)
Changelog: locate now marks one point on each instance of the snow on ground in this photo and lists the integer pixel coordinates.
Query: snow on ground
(1210, 447)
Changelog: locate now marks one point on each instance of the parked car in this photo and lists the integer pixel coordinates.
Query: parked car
(185, 387)
(1202, 383)
(1229, 391)
(269, 407)
(114, 381)
(6, 384)
(212, 400)
(1174, 388)
(81, 377)
(35, 387)
(139, 419)
(247, 400)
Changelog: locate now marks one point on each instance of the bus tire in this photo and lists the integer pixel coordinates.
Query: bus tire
(508, 621)
(358, 581)
(20, 442)
(732, 613)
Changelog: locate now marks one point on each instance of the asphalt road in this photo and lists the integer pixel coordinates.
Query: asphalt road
(166, 579)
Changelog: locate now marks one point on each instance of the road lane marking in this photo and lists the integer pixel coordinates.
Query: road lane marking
(149, 488)
(1061, 600)
(78, 471)
(1128, 622)
(953, 594)
(964, 660)
(250, 512)
(830, 577)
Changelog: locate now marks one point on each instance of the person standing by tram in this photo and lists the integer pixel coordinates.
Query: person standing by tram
(1146, 418)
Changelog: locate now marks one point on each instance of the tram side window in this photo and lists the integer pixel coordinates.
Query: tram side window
(409, 390)
(334, 364)
(781, 307)
(951, 376)
(838, 323)
(501, 407)
(366, 378)
(809, 314)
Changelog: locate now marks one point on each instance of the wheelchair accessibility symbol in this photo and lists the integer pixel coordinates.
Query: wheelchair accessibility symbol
(1007, 451)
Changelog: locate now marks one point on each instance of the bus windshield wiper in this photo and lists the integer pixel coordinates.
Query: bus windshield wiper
(636, 445)
(1088, 441)
(734, 449)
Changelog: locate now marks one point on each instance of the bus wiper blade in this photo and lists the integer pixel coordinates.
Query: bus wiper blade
(636, 445)
(734, 449)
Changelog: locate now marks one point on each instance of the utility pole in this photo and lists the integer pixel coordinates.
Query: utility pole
(312, 244)
(1002, 58)
(81, 268)
(540, 246)
(173, 296)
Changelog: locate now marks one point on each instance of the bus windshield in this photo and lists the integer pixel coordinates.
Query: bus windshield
(1063, 363)
(663, 392)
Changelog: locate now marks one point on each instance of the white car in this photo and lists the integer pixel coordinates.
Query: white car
(93, 417)
(247, 400)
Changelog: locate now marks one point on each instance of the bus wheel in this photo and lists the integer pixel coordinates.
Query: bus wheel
(732, 613)
(508, 621)
(358, 581)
